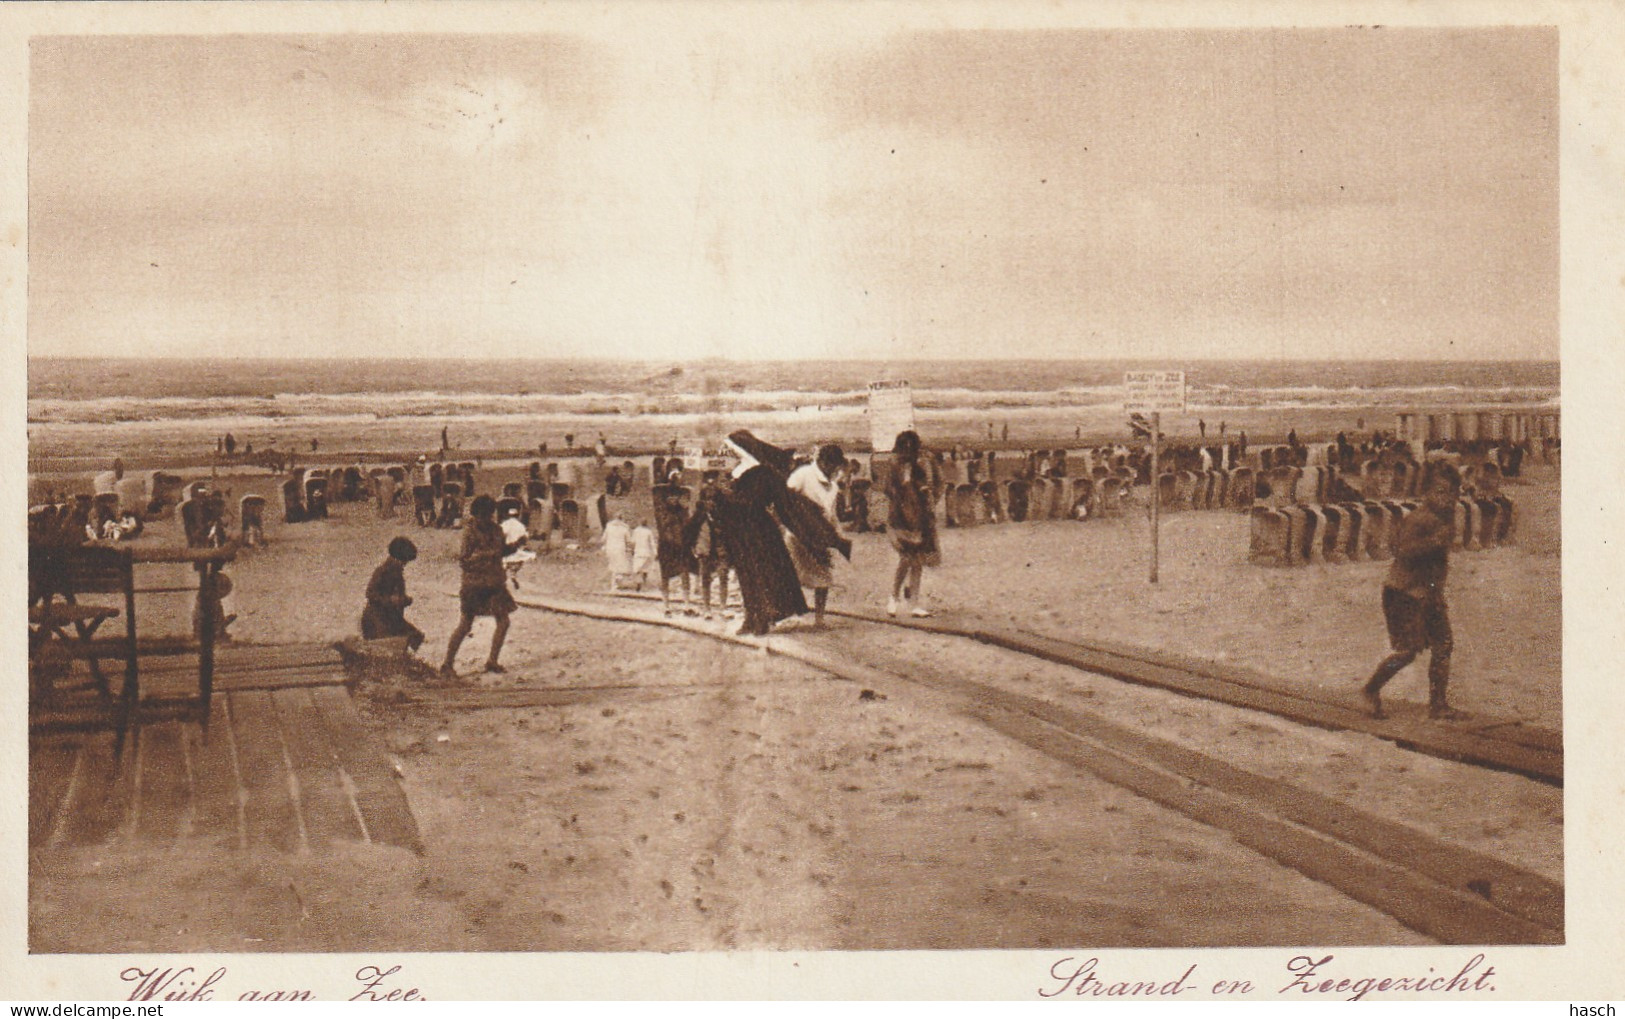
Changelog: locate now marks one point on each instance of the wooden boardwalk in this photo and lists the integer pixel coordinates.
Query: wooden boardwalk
(287, 764)
(1448, 892)
(1506, 744)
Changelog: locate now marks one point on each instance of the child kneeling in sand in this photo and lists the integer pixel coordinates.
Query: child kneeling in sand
(217, 609)
(385, 611)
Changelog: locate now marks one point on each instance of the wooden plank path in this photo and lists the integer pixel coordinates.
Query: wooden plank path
(1448, 892)
(287, 764)
(1501, 743)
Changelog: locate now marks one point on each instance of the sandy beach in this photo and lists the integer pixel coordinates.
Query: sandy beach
(732, 800)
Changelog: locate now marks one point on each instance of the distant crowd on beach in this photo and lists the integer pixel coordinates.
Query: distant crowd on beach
(771, 525)
(767, 523)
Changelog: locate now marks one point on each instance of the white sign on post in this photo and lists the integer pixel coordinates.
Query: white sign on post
(1154, 392)
(891, 410)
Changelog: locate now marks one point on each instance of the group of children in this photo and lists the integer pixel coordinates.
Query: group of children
(492, 555)
(492, 545)
(685, 545)
(122, 526)
(631, 549)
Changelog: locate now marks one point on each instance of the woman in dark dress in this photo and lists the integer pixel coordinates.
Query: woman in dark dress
(485, 583)
(749, 515)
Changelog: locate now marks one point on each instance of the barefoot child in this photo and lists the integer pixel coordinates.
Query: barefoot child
(671, 521)
(515, 539)
(217, 609)
(643, 552)
(1413, 601)
(704, 543)
(484, 589)
(385, 612)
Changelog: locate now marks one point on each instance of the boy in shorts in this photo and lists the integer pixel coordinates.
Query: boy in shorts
(704, 542)
(1413, 601)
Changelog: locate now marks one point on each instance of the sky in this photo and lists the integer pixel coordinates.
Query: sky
(1339, 193)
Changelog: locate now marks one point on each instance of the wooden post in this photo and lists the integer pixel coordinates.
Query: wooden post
(130, 694)
(206, 636)
(1156, 487)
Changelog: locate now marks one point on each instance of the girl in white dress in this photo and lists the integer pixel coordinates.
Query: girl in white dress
(618, 551)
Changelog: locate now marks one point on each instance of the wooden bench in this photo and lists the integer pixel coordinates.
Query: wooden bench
(62, 630)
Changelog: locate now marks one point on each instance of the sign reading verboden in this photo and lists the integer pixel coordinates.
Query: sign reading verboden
(891, 410)
(1154, 392)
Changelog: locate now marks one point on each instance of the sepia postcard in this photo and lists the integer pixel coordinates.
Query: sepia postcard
(807, 500)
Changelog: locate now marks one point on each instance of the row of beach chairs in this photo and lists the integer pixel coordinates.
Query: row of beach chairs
(1276, 487)
(1082, 498)
(1021, 500)
(1352, 531)
(147, 494)
(200, 512)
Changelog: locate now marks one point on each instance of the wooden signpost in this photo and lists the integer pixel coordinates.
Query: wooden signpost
(1152, 393)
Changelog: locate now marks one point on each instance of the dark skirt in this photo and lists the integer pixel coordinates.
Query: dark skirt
(487, 601)
(378, 622)
(921, 549)
(915, 557)
(911, 521)
(768, 585)
(675, 562)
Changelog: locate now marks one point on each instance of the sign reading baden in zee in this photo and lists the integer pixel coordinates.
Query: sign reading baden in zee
(891, 410)
(698, 455)
(1154, 392)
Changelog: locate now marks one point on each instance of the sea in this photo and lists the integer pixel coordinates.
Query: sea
(76, 407)
(64, 391)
